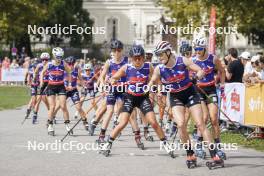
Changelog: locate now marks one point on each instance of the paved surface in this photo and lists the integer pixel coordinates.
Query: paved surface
(125, 160)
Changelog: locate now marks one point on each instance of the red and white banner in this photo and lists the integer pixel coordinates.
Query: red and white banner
(14, 75)
(233, 103)
(212, 31)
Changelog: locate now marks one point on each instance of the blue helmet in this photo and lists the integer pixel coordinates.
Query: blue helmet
(185, 47)
(116, 44)
(136, 50)
(70, 59)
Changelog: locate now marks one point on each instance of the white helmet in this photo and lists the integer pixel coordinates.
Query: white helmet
(57, 52)
(200, 42)
(44, 56)
(87, 67)
(162, 47)
(149, 52)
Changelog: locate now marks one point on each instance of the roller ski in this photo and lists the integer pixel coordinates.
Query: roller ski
(191, 161)
(105, 148)
(51, 130)
(200, 152)
(216, 162)
(68, 128)
(168, 149)
(147, 136)
(139, 143)
(26, 116)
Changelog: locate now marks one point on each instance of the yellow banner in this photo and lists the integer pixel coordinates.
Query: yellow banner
(254, 105)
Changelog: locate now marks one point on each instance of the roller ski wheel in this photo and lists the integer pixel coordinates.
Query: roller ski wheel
(86, 125)
(191, 162)
(215, 163)
(168, 149)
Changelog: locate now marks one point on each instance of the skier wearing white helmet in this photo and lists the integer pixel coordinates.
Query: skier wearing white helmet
(207, 88)
(55, 70)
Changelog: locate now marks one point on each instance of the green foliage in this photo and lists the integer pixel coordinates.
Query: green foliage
(246, 15)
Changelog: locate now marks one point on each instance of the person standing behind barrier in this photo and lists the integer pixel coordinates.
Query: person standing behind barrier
(235, 68)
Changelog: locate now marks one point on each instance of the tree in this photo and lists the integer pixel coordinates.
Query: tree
(246, 15)
(66, 13)
(14, 19)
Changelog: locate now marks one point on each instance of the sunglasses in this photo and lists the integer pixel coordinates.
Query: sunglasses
(88, 70)
(116, 50)
(137, 58)
(159, 54)
(45, 59)
(198, 49)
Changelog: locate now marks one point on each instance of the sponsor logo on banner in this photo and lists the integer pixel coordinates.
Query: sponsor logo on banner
(233, 102)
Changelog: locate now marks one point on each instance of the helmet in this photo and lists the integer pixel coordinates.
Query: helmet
(136, 50)
(44, 56)
(149, 52)
(200, 42)
(57, 52)
(70, 59)
(116, 44)
(162, 47)
(87, 67)
(185, 47)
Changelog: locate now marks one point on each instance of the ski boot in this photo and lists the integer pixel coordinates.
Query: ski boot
(221, 154)
(34, 118)
(139, 143)
(27, 113)
(168, 148)
(161, 123)
(85, 124)
(216, 162)
(51, 130)
(67, 126)
(92, 127)
(115, 122)
(191, 161)
(101, 139)
(199, 151)
(105, 148)
(174, 130)
(147, 136)
(76, 115)
(168, 127)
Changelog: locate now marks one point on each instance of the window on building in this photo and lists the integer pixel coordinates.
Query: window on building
(112, 27)
(150, 34)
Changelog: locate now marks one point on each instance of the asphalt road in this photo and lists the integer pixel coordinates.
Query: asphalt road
(17, 157)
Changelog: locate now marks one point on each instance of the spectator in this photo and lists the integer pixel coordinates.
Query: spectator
(14, 64)
(6, 63)
(26, 63)
(235, 68)
(245, 57)
(261, 65)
